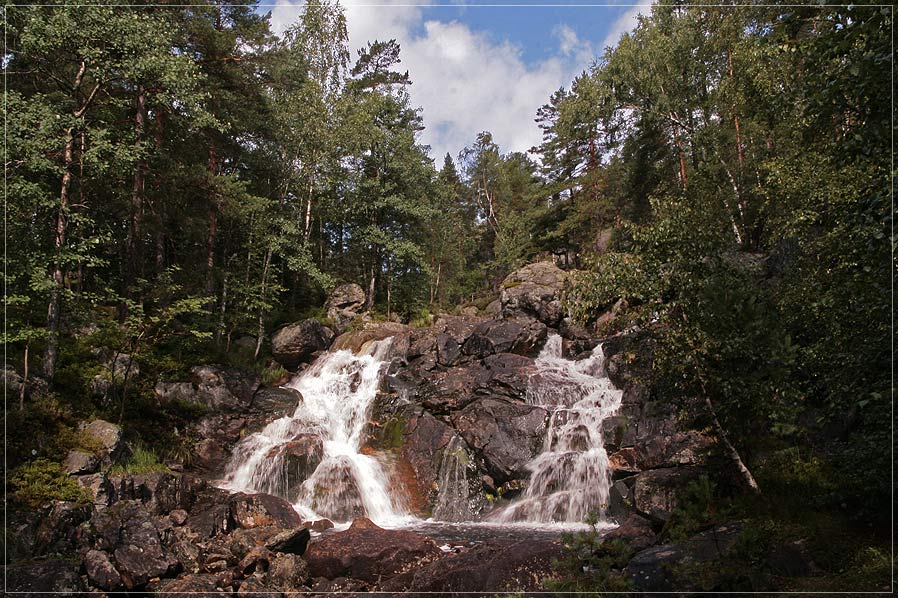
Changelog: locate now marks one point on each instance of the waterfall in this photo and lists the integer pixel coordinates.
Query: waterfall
(455, 499)
(570, 479)
(313, 457)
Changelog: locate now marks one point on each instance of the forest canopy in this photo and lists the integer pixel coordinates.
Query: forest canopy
(180, 177)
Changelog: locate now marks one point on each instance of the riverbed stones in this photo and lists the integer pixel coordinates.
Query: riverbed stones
(299, 342)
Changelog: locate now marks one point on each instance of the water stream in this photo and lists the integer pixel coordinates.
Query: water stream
(314, 457)
(570, 479)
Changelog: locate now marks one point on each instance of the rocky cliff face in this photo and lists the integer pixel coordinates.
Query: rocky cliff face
(453, 409)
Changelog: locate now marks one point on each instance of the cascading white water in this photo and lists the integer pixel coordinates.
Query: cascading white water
(323, 437)
(570, 479)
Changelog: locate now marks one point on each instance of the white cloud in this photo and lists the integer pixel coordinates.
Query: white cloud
(464, 80)
(626, 22)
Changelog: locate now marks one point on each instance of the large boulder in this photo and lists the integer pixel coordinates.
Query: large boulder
(100, 571)
(109, 436)
(656, 569)
(220, 389)
(522, 335)
(368, 553)
(254, 510)
(360, 340)
(507, 435)
(344, 304)
(489, 568)
(298, 343)
(535, 291)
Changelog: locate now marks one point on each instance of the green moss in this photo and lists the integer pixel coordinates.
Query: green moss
(393, 433)
(39, 482)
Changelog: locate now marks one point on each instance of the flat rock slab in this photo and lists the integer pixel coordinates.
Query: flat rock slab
(490, 568)
(369, 553)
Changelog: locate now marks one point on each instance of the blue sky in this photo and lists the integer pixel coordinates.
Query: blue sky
(476, 68)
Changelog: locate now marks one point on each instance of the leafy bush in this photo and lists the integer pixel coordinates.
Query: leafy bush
(39, 482)
(273, 374)
(592, 565)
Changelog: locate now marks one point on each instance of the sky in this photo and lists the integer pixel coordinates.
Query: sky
(482, 68)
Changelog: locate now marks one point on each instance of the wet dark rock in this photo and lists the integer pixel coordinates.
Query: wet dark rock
(211, 515)
(343, 305)
(423, 439)
(535, 291)
(100, 571)
(369, 553)
(297, 343)
(357, 340)
(271, 404)
(36, 578)
(508, 375)
(505, 434)
(655, 569)
(292, 541)
(489, 568)
(620, 500)
(452, 389)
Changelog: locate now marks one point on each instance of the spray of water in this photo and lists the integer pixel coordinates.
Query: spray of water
(570, 478)
(313, 457)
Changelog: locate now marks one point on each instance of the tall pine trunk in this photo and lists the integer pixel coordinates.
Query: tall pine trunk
(135, 253)
(51, 354)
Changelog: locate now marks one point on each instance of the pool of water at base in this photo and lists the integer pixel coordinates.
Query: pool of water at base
(449, 534)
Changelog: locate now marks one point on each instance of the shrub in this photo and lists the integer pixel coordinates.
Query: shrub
(39, 482)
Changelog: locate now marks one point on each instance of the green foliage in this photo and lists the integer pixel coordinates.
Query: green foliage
(143, 460)
(592, 565)
(697, 509)
(41, 481)
(273, 374)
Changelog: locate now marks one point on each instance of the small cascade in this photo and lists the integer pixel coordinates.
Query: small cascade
(455, 500)
(312, 457)
(570, 479)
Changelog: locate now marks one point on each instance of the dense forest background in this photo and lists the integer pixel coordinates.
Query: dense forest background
(180, 182)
